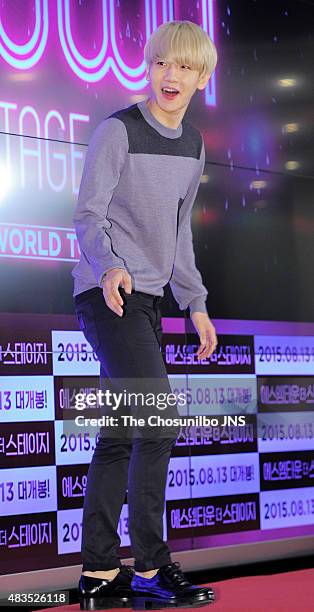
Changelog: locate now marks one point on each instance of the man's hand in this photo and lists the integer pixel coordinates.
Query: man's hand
(206, 332)
(111, 282)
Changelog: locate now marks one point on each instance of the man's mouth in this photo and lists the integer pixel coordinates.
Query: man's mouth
(169, 92)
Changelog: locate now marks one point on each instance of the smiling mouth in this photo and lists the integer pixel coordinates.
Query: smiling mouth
(169, 92)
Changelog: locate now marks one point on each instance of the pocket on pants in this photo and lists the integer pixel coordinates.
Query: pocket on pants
(87, 324)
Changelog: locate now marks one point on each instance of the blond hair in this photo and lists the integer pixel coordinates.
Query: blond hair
(184, 42)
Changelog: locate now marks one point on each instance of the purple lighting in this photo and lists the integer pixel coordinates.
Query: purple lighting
(59, 18)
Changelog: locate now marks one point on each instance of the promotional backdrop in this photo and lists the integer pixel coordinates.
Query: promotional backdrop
(64, 67)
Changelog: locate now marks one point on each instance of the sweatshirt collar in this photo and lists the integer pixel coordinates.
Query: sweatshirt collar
(162, 129)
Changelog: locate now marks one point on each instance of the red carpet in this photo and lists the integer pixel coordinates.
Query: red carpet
(286, 592)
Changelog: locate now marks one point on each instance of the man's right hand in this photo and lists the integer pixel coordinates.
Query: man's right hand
(114, 278)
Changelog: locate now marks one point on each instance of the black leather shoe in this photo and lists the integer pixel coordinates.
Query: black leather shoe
(169, 588)
(99, 594)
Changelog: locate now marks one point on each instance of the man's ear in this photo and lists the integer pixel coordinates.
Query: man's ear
(203, 81)
(147, 72)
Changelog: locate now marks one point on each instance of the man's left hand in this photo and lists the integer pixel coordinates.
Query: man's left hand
(206, 332)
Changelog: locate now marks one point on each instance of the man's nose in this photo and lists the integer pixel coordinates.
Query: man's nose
(172, 71)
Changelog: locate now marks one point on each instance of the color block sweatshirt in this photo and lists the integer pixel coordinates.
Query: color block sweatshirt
(138, 186)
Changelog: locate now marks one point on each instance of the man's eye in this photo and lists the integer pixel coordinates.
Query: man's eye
(183, 65)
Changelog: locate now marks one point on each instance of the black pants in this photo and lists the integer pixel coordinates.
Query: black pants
(128, 349)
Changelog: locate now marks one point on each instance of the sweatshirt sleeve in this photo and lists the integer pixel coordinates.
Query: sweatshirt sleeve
(104, 162)
(186, 281)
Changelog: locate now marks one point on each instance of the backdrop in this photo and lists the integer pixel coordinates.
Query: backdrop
(64, 67)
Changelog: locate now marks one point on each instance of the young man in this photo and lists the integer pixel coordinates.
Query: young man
(133, 224)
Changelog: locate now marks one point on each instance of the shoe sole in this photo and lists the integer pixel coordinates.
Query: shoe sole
(103, 603)
(142, 603)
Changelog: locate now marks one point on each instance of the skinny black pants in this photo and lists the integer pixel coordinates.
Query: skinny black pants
(129, 351)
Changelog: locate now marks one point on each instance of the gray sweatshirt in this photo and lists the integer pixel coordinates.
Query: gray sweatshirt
(138, 186)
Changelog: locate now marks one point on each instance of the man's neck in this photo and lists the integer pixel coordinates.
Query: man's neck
(171, 121)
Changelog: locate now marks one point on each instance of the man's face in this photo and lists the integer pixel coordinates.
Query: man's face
(168, 74)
